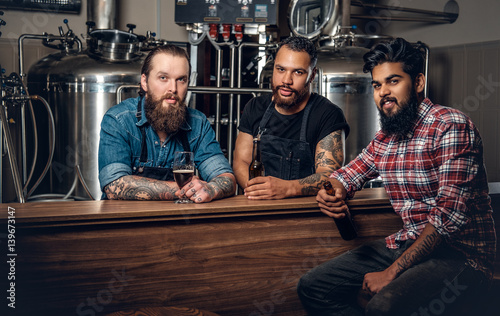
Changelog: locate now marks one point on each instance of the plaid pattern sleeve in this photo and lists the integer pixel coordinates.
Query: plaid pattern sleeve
(434, 175)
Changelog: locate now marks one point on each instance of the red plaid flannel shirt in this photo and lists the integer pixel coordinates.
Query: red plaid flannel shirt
(434, 175)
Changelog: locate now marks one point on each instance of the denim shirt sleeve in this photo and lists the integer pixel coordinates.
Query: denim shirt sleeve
(209, 158)
(115, 151)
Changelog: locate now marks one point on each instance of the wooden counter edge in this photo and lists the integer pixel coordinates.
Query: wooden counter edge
(69, 213)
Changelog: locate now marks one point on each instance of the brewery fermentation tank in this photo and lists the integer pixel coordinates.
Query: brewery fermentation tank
(81, 87)
(342, 81)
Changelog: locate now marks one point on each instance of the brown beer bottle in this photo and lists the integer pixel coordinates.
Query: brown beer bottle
(256, 168)
(345, 225)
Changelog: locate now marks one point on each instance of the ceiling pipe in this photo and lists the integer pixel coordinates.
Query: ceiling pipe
(102, 13)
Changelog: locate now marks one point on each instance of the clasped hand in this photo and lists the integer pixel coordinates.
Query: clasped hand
(196, 190)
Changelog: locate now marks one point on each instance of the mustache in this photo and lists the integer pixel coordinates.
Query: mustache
(388, 99)
(169, 95)
(287, 87)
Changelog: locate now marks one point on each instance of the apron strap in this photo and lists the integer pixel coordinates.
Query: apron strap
(313, 99)
(144, 146)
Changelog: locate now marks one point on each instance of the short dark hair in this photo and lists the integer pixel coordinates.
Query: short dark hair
(168, 49)
(397, 51)
(301, 44)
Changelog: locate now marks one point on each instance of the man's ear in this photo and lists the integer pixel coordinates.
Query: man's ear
(144, 82)
(420, 83)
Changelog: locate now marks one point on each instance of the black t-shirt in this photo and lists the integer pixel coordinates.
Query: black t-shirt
(324, 119)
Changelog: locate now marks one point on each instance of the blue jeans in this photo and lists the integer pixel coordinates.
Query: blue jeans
(434, 287)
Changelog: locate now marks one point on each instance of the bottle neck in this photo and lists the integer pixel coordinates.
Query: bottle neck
(256, 150)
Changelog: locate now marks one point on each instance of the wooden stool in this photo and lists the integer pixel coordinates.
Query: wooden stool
(163, 311)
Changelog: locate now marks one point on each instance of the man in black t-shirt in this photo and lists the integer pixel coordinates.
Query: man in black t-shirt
(302, 134)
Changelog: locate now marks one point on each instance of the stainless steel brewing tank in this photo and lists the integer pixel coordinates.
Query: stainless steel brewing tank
(340, 73)
(80, 88)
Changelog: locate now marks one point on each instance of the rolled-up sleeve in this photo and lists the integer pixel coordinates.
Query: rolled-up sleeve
(211, 162)
(114, 151)
(459, 150)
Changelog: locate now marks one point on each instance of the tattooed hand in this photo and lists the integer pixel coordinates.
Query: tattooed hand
(200, 191)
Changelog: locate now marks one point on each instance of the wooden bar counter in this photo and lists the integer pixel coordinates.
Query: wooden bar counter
(232, 257)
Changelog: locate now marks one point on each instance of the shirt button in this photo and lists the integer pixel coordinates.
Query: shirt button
(156, 142)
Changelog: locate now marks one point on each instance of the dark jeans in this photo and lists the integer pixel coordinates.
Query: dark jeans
(436, 286)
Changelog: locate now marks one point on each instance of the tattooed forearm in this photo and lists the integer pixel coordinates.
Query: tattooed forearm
(139, 188)
(422, 248)
(332, 149)
(221, 186)
(329, 157)
(312, 184)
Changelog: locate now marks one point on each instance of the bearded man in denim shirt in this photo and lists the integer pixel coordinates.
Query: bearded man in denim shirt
(140, 136)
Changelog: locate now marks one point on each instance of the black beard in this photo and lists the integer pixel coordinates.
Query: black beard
(297, 97)
(164, 119)
(400, 123)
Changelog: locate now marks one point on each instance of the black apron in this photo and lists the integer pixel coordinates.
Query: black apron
(283, 158)
(158, 173)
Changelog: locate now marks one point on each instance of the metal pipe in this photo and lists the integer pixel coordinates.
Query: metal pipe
(403, 19)
(217, 97)
(203, 89)
(240, 53)
(52, 138)
(18, 187)
(427, 52)
(346, 13)
(102, 13)
(231, 107)
(446, 17)
(42, 37)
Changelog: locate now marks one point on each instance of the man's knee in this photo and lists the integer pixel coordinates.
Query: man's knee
(381, 304)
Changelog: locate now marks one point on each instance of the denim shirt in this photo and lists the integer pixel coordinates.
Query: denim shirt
(120, 144)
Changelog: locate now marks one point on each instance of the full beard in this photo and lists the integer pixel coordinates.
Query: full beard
(288, 103)
(401, 122)
(168, 119)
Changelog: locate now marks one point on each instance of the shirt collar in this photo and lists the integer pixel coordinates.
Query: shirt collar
(423, 109)
(143, 121)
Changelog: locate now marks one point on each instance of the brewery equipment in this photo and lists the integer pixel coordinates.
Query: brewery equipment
(81, 86)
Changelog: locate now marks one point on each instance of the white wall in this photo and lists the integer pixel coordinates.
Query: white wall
(478, 21)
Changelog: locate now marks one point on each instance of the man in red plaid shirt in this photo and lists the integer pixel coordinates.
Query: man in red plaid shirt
(430, 159)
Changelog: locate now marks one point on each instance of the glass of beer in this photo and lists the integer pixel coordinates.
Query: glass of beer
(183, 171)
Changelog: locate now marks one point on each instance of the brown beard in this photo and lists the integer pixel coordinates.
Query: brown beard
(298, 97)
(168, 119)
(401, 122)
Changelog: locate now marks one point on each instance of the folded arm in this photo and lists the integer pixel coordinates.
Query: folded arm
(141, 188)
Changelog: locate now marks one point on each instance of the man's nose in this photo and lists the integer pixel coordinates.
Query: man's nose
(384, 91)
(287, 78)
(172, 86)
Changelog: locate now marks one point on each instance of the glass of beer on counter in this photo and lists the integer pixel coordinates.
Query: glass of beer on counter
(183, 171)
